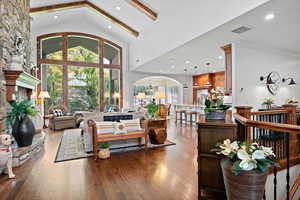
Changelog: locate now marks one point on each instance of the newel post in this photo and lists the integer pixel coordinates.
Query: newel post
(244, 131)
(292, 119)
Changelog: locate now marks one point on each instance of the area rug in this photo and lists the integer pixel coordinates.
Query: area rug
(71, 146)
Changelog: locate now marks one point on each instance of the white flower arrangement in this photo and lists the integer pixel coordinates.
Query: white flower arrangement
(246, 156)
(292, 101)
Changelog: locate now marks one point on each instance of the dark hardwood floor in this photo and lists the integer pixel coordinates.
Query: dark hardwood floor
(159, 174)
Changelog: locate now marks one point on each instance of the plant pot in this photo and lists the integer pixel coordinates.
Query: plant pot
(104, 153)
(23, 131)
(248, 185)
(216, 115)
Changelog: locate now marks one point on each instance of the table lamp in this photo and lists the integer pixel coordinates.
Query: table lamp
(159, 96)
(117, 97)
(44, 95)
(141, 96)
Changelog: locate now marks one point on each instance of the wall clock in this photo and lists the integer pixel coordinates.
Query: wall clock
(274, 78)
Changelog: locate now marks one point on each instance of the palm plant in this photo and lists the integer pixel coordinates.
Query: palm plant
(19, 111)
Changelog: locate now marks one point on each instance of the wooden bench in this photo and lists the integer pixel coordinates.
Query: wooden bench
(108, 137)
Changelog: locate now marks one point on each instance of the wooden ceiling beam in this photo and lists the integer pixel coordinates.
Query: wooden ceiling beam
(57, 7)
(143, 8)
(80, 4)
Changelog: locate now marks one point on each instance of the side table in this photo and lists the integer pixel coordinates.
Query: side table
(157, 131)
(46, 117)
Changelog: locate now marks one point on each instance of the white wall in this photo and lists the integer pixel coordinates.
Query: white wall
(249, 63)
(89, 27)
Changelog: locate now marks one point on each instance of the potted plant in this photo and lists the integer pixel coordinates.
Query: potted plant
(104, 152)
(268, 102)
(245, 168)
(152, 110)
(18, 119)
(292, 101)
(214, 107)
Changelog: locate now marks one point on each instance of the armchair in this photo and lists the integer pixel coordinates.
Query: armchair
(63, 122)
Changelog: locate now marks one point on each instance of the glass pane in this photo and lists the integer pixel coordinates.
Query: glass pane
(111, 55)
(111, 89)
(51, 48)
(146, 91)
(52, 82)
(83, 49)
(83, 85)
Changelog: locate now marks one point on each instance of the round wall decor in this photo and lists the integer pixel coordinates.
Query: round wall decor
(275, 79)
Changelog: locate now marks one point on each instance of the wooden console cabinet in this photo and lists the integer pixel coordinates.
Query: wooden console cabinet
(210, 178)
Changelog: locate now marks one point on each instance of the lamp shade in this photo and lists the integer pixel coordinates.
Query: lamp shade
(44, 95)
(141, 95)
(292, 82)
(160, 95)
(117, 95)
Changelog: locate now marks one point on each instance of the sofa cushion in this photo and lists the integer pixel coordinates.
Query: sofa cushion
(132, 125)
(105, 127)
(120, 128)
(57, 112)
(64, 118)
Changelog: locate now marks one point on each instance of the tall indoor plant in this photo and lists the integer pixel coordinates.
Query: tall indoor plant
(18, 118)
(245, 169)
(214, 107)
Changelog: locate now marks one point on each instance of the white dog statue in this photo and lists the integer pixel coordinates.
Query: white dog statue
(6, 154)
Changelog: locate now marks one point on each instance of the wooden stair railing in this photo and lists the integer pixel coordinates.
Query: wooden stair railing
(266, 132)
(295, 187)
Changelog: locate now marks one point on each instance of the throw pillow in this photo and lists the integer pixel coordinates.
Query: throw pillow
(105, 127)
(132, 125)
(120, 128)
(57, 113)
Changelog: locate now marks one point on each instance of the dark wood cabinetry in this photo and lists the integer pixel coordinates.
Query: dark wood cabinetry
(228, 68)
(216, 79)
(210, 178)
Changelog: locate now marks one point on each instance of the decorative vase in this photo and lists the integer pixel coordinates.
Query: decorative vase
(268, 106)
(23, 131)
(248, 185)
(216, 115)
(104, 153)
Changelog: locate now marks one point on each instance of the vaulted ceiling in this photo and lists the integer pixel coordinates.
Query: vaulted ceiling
(279, 35)
(177, 21)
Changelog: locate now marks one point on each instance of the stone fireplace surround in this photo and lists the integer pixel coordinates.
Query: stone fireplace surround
(15, 21)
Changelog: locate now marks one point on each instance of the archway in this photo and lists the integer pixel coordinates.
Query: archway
(149, 86)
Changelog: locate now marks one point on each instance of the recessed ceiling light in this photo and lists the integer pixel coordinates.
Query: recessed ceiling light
(55, 17)
(109, 26)
(220, 57)
(187, 62)
(269, 16)
(118, 8)
(173, 66)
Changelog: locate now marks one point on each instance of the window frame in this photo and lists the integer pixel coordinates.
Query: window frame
(65, 63)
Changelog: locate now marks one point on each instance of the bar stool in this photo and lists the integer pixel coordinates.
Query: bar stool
(191, 113)
(179, 112)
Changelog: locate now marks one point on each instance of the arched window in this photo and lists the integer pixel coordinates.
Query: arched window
(81, 71)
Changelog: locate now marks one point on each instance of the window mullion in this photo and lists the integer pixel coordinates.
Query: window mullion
(101, 76)
(65, 70)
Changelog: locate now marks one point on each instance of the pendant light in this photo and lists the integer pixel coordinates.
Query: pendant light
(185, 84)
